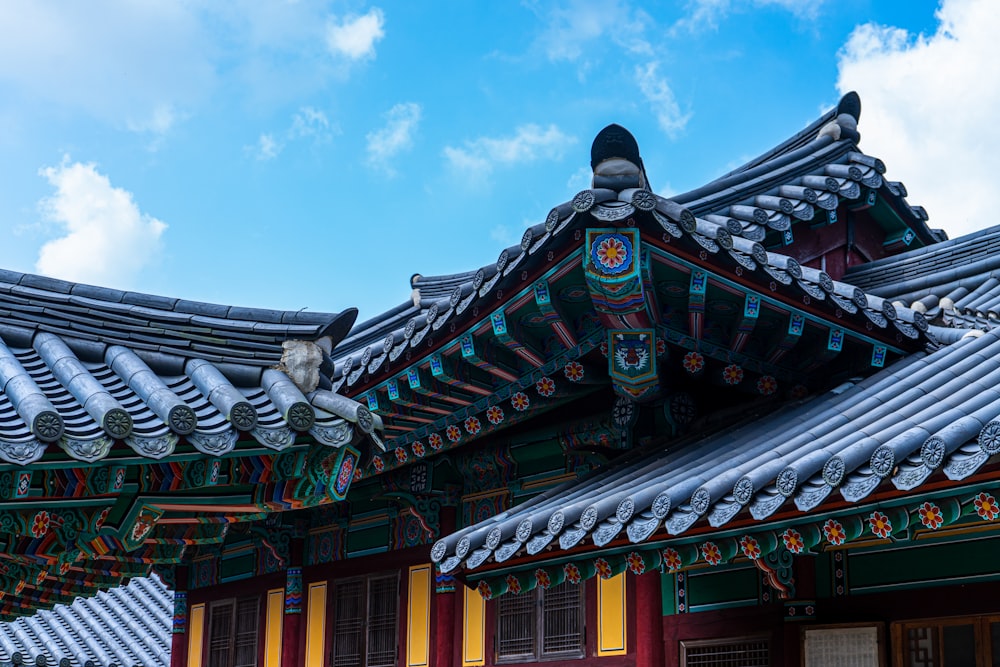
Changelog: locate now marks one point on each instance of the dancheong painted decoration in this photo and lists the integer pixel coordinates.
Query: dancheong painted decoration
(757, 419)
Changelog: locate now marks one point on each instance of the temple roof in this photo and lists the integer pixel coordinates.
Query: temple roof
(84, 366)
(134, 428)
(129, 625)
(955, 283)
(800, 183)
(927, 413)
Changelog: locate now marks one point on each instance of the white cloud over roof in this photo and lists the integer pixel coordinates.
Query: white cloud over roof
(106, 239)
(529, 143)
(928, 99)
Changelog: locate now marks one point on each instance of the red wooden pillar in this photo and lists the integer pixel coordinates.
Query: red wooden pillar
(291, 655)
(648, 621)
(443, 623)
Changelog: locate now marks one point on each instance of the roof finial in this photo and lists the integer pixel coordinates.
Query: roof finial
(845, 124)
(614, 157)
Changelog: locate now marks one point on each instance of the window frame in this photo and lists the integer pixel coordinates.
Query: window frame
(234, 603)
(538, 623)
(365, 615)
(979, 622)
(879, 629)
(686, 644)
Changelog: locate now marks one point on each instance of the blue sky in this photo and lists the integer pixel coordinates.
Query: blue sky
(299, 154)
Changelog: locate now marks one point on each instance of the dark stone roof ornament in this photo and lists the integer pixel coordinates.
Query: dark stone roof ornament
(845, 123)
(614, 158)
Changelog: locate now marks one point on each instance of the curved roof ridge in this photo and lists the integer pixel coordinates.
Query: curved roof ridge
(151, 307)
(802, 138)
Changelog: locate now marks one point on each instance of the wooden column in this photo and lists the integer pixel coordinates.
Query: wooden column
(443, 626)
(179, 637)
(648, 620)
(291, 655)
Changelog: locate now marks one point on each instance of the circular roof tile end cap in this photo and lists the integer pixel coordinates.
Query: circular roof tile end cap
(438, 551)
(48, 426)
(556, 522)
(833, 471)
(117, 423)
(625, 510)
(301, 416)
(932, 452)
(661, 505)
(182, 419)
(243, 416)
(787, 482)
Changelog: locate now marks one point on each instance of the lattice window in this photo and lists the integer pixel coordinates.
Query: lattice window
(736, 652)
(540, 624)
(365, 622)
(232, 633)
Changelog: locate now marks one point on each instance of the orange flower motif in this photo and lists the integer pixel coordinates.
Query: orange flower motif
(513, 585)
(693, 362)
(880, 524)
(453, 433)
(930, 515)
(435, 441)
(484, 590)
(520, 401)
(767, 385)
(494, 415)
(603, 568)
(542, 578)
(986, 507)
(472, 425)
(672, 559)
(40, 524)
(710, 550)
(636, 564)
(378, 463)
(573, 371)
(401, 455)
(834, 532)
(732, 374)
(793, 541)
(573, 575)
(418, 449)
(545, 387)
(750, 547)
(611, 253)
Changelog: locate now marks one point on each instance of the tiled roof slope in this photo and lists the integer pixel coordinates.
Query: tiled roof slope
(928, 413)
(82, 367)
(806, 177)
(956, 283)
(125, 626)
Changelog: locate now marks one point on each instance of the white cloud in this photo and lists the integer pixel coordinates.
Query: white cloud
(354, 36)
(572, 30)
(394, 137)
(307, 123)
(707, 14)
(661, 99)
(107, 240)
(929, 109)
(530, 143)
(138, 66)
(267, 148)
